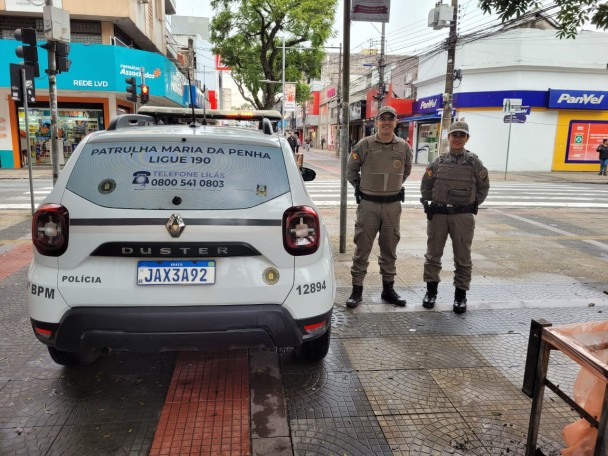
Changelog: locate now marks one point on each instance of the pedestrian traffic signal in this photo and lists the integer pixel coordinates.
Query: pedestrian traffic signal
(145, 94)
(62, 63)
(132, 89)
(29, 52)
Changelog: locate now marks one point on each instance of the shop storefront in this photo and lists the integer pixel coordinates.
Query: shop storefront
(355, 125)
(73, 124)
(87, 97)
(556, 129)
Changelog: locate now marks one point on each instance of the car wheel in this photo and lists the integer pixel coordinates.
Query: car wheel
(316, 349)
(71, 359)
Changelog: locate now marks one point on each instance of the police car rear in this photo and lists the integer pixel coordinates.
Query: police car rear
(161, 235)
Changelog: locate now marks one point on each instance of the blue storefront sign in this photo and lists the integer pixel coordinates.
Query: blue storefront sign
(428, 105)
(103, 68)
(578, 99)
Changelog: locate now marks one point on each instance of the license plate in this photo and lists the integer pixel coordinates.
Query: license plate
(200, 272)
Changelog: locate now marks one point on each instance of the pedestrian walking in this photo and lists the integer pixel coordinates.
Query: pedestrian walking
(298, 144)
(378, 165)
(322, 143)
(453, 187)
(307, 144)
(602, 149)
(293, 142)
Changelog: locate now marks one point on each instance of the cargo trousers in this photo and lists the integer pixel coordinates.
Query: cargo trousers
(460, 228)
(374, 218)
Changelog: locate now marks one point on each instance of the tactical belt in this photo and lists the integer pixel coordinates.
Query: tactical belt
(450, 209)
(382, 199)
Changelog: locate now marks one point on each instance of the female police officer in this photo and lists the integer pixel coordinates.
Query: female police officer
(452, 188)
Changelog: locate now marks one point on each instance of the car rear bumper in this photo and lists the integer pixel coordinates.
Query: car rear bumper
(154, 329)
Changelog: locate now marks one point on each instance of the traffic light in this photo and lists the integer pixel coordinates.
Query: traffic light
(28, 53)
(132, 89)
(145, 94)
(62, 63)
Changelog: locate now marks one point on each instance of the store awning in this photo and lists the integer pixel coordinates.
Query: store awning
(417, 118)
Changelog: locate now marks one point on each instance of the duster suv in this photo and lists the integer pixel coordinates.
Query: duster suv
(170, 231)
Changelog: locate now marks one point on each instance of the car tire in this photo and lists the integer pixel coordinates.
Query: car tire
(71, 359)
(316, 349)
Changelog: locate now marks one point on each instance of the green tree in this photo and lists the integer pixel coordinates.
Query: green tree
(248, 34)
(572, 14)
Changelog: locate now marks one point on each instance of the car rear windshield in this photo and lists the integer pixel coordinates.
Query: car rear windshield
(154, 175)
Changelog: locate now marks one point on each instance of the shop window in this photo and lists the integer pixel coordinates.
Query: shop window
(72, 126)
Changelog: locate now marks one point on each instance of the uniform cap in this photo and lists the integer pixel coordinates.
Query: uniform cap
(459, 125)
(387, 110)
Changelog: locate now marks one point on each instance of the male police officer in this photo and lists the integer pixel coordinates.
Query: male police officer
(455, 184)
(377, 167)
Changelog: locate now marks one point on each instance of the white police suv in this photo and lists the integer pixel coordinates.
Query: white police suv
(169, 231)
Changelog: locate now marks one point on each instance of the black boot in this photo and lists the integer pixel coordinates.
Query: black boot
(460, 300)
(355, 297)
(390, 295)
(428, 302)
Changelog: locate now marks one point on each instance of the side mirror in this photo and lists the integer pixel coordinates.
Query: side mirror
(307, 174)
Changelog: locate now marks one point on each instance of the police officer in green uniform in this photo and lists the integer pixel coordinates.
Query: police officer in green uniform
(452, 188)
(377, 167)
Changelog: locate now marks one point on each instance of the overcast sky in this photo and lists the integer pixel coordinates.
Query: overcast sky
(407, 32)
(408, 24)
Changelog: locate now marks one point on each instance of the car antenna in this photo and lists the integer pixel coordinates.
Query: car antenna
(193, 123)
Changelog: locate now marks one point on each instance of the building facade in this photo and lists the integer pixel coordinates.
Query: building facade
(533, 102)
(110, 41)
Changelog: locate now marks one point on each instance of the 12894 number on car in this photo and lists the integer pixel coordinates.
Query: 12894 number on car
(310, 288)
(200, 272)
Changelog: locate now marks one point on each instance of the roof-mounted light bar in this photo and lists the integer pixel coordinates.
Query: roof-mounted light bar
(167, 115)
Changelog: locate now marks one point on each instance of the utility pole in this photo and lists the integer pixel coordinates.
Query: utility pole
(381, 65)
(448, 95)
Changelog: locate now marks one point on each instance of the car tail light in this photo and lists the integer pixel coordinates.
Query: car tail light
(50, 229)
(301, 230)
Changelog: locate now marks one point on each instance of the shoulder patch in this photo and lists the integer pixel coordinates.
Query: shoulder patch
(354, 155)
(429, 171)
(483, 174)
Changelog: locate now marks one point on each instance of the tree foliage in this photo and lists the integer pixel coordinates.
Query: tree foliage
(572, 14)
(248, 34)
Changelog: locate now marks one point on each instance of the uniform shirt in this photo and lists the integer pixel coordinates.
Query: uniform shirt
(387, 165)
(480, 173)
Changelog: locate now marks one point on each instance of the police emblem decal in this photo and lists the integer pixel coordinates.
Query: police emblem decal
(270, 276)
(397, 164)
(261, 190)
(175, 225)
(106, 186)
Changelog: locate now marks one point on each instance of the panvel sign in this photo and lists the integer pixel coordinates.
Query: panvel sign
(578, 99)
(583, 139)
